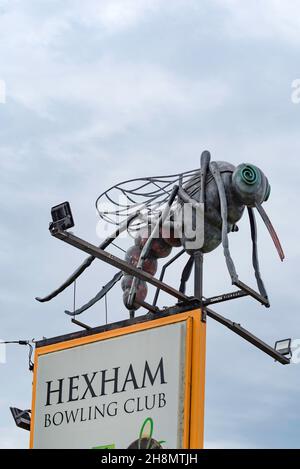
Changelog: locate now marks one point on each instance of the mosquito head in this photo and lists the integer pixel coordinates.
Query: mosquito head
(250, 185)
(252, 188)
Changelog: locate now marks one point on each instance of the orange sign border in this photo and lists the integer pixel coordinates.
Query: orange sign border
(193, 426)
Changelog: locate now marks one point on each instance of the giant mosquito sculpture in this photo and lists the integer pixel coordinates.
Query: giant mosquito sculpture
(194, 210)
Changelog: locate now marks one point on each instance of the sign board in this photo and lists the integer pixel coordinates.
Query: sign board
(140, 386)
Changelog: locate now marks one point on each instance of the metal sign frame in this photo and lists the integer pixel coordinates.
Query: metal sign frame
(195, 352)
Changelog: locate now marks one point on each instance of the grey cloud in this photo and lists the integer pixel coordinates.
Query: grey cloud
(96, 96)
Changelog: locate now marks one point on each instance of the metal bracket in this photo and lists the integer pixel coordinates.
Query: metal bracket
(224, 297)
(239, 330)
(249, 291)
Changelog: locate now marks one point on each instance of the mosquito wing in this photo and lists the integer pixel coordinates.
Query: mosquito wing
(146, 195)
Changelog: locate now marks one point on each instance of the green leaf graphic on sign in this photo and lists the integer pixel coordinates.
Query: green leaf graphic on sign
(112, 446)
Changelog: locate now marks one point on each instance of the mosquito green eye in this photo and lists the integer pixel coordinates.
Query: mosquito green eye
(250, 175)
(250, 184)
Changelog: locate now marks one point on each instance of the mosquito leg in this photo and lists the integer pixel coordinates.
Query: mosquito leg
(98, 297)
(146, 249)
(255, 262)
(186, 273)
(205, 160)
(88, 261)
(163, 270)
(223, 202)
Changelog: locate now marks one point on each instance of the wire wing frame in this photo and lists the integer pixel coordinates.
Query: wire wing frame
(147, 195)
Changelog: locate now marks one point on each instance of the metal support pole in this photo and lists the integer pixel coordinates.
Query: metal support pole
(198, 281)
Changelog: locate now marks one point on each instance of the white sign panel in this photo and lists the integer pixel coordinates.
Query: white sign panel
(121, 392)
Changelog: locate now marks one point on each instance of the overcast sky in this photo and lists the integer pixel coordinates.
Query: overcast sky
(105, 90)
